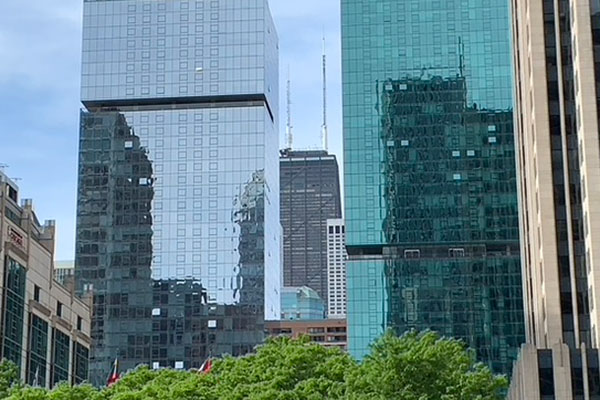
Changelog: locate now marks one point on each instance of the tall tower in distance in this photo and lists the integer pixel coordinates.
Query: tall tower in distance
(557, 48)
(432, 229)
(310, 195)
(178, 234)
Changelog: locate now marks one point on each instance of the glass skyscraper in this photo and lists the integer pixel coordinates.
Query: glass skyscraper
(432, 225)
(178, 234)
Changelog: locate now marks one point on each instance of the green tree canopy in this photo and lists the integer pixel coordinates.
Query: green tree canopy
(285, 369)
(9, 378)
(422, 366)
(415, 366)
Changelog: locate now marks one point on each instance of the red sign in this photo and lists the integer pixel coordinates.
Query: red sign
(16, 237)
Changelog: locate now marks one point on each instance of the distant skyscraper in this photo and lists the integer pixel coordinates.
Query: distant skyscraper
(64, 272)
(178, 233)
(336, 268)
(310, 194)
(557, 60)
(432, 227)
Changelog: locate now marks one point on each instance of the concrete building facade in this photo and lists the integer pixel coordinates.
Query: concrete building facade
(44, 328)
(310, 194)
(336, 268)
(557, 70)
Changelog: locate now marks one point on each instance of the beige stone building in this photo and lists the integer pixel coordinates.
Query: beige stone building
(557, 66)
(44, 328)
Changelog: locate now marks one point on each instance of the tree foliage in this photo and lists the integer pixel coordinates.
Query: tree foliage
(9, 378)
(422, 366)
(285, 369)
(416, 366)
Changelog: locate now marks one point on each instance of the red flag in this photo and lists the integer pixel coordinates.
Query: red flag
(114, 376)
(206, 366)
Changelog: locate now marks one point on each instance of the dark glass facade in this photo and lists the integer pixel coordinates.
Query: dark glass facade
(81, 361)
(432, 224)
(38, 350)
(178, 235)
(310, 194)
(546, 375)
(595, 22)
(13, 306)
(61, 348)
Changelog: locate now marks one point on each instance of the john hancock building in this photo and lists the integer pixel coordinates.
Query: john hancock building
(178, 234)
(432, 222)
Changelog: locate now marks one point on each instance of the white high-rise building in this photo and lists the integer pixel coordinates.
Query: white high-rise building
(336, 268)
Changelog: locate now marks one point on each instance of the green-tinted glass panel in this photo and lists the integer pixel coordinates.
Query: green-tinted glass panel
(60, 364)
(38, 350)
(81, 359)
(14, 308)
(431, 203)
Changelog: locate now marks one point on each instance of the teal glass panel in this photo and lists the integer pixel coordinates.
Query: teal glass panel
(367, 307)
(430, 172)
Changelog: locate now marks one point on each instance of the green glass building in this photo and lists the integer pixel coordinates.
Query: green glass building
(431, 194)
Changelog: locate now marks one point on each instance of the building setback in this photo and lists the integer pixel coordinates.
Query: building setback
(178, 235)
(557, 68)
(45, 329)
(432, 228)
(336, 268)
(301, 303)
(310, 194)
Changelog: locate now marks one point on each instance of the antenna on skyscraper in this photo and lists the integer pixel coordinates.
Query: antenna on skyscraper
(461, 57)
(288, 127)
(324, 138)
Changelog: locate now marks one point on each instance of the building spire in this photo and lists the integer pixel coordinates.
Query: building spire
(289, 136)
(324, 137)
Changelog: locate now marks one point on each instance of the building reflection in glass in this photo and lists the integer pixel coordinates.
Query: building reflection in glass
(178, 204)
(451, 216)
(173, 249)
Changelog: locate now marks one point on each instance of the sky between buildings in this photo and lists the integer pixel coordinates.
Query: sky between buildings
(40, 63)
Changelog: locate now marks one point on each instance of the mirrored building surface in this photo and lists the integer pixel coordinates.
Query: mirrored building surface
(178, 234)
(432, 228)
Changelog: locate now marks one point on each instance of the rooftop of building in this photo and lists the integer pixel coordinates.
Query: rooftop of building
(304, 155)
(303, 291)
(23, 213)
(64, 264)
(308, 322)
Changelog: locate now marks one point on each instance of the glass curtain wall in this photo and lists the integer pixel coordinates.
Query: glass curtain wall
(431, 204)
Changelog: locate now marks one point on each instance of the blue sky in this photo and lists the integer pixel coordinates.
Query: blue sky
(40, 44)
